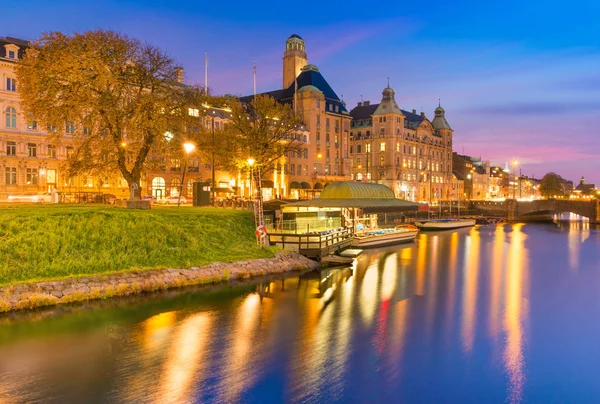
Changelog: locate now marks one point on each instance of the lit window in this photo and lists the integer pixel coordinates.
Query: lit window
(381, 161)
(51, 151)
(194, 112)
(32, 176)
(382, 146)
(11, 175)
(31, 149)
(69, 152)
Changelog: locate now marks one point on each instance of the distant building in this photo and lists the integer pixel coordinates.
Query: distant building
(401, 149)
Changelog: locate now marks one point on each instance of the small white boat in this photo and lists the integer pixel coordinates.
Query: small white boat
(384, 237)
(444, 224)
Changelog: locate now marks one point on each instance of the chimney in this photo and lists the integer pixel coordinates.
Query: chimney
(360, 104)
(414, 111)
(179, 74)
(423, 114)
(366, 103)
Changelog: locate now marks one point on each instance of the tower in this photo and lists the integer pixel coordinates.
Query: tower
(294, 59)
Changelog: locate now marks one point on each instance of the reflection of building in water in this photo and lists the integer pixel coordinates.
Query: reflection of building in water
(515, 313)
(471, 277)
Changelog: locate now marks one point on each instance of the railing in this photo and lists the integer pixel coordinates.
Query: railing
(303, 226)
(313, 244)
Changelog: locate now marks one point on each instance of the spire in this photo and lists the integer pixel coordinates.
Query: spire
(388, 83)
(439, 103)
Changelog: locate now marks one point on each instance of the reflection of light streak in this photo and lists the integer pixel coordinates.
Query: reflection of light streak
(388, 280)
(185, 363)
(243, 343)
(397, 338)
(432, 283)
(496, 279)
(579, 231)
(421, 261)
(452, 280)
(368, 294)
(515, 315)
(156, 329)
(470, 289)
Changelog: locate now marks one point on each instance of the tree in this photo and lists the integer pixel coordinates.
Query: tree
(115, 96)
(264, 130)
(552, 185)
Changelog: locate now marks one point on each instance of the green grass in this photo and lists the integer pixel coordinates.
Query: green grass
(49, 242)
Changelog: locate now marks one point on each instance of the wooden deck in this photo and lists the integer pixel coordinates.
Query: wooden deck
(312, 245)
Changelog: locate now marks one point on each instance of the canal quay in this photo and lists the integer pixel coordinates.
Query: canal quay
(493, 313)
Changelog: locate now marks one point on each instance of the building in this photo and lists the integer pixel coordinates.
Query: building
(324, 157)
(475, 173)
(583, 190)
(401, 149)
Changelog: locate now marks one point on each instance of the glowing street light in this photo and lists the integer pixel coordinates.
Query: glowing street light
(188, 147)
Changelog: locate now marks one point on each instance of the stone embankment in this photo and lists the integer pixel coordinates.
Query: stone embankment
(38, 294)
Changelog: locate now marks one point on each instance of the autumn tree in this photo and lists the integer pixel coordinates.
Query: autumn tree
(264, 130)
(115, 96)
(552, 185)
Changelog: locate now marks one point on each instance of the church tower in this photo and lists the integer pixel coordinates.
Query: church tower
(294, 59)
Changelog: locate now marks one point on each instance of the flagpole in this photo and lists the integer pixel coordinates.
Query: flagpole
(206, 72)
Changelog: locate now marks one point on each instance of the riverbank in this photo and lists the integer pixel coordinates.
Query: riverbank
(47, 293)
(49, 242)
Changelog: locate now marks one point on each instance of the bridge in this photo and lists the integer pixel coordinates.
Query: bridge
(516, 211)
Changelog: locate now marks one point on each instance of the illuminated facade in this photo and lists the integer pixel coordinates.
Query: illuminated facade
(401, 149)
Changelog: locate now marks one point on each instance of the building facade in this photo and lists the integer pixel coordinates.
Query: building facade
(401, 149)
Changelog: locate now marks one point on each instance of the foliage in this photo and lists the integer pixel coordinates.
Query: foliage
(58, 241)
(552, 185)
(115, 96)
(264, 130)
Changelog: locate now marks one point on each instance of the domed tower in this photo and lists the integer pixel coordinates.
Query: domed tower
(441, 125)
(294, 59)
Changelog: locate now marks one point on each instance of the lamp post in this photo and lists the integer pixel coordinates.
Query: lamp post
(251, 163)
(188, 147)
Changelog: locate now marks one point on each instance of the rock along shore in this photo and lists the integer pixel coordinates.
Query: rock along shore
(37, 294)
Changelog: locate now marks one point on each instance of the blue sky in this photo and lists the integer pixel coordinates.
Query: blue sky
(518, 80)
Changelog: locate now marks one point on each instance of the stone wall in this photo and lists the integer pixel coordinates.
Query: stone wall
(37, 294)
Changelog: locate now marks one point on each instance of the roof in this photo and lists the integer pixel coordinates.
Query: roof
(365, 112)
(295, 36)
(309, 76)
(21, 43)
(440, 122)
(354, 190)
(357, 195)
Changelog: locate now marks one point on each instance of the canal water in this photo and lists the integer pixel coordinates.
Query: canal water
(494, 314)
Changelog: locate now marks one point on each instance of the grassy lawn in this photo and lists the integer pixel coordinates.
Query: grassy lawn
(49, 241)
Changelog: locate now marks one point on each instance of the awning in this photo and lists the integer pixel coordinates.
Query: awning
(267, 184)
(318, 185)
(224, 190)
(305, 185)
(295, 185)
(372, 203)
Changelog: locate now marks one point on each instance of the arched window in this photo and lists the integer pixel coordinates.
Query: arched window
(11, 117)
(158, 187)
(175, 182)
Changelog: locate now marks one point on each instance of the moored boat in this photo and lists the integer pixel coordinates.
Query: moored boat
(384, 237)
(444, 224)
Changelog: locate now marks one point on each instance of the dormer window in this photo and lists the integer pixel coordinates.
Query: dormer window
(12, 51)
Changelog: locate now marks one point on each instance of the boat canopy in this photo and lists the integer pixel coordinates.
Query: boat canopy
(357, 195)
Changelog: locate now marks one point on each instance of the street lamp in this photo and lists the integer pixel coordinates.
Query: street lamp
(251, 163)
(188, 147)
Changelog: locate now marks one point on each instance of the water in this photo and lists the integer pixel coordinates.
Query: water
(491, 314)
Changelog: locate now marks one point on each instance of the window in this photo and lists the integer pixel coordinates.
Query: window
(11, 84)
(350, 149)
(51, 151)
(382, 146)
(292, 169)
(31, 123)
(358, 163)
(11, 176)
(11, 54)
(11, 117)
(359, 177)
(32, 176)
(70, 127)
(11, 148)
(69, 152)
(31, 149)
(358, 148)
(368, 148)
(305, 153)
(381, 161)
(305, 170)
(193, 112)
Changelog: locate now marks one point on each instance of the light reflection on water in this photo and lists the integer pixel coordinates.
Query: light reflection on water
(476, 315)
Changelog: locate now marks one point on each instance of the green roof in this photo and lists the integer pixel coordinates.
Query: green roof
(355, 190)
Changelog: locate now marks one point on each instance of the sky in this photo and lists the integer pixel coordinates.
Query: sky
(519, 80)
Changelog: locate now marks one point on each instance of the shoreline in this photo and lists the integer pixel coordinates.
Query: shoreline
(32, 295)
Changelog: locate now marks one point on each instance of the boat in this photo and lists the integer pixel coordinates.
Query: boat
(385, 237)
(444, 224)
